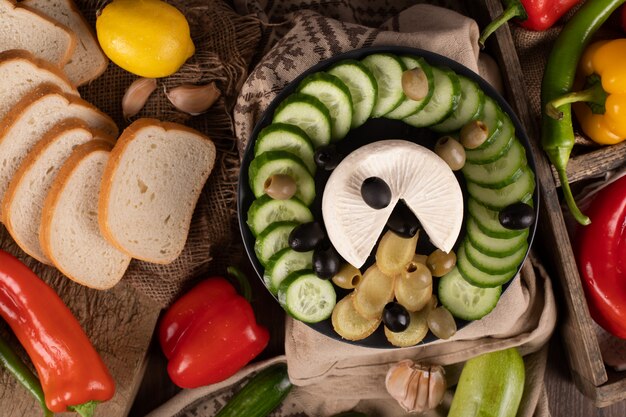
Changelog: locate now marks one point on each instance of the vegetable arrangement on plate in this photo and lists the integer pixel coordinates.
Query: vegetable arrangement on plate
(383, 197)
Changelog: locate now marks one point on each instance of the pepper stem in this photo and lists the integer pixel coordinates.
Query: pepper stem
(85, 410)
(514, 10)
(569, 199)
(594, 95)
(244, 285)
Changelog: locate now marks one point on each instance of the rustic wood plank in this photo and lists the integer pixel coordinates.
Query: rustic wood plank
(594, 163)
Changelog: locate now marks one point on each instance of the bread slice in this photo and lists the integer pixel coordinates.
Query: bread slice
(21, 73)
(23, 202)
(70, 236)
(24, 28)
(151, 186)
(88, 61)
(35, 115)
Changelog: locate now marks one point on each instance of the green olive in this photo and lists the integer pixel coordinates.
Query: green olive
(280, 187)
(348, 277)
(441, 323)
(415, 84)
(474, 134)
(440, 262)
(451, 151)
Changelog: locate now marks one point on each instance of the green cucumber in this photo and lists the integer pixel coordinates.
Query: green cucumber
(306, 297)
(284, 263)
(494, 246)
(491, 384)
(281, 162)
(501, 172)
(464, 300)
(494, 265)
(488, 222)
(362, 85)
(288, 138)
(409, 106)
(335, 95)
(499, 198)
(478, 277)
(444, 101)
(274, 238)
(262, 394)
(470, 107)
(309, 114)
(387, 70)
(264, 211)
(495, 147)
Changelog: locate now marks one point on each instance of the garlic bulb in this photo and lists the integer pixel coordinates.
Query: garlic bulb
(193, 99)
(136, 96)
(416, 387)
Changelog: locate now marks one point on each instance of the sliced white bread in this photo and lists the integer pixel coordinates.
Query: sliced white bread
(88, 61)
(151, 186)
(33, 117)
(21, 73)
(24, 28)
(70, 235)
(23, 202)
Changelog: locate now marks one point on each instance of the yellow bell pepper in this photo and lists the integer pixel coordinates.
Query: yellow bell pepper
(601, 107)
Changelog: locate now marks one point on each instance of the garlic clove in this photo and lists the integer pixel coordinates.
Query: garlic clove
(137, 95)
(193, 99)
(421, 402)
(436, 387)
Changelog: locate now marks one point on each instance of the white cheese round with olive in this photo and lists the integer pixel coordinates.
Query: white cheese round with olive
(414, 174)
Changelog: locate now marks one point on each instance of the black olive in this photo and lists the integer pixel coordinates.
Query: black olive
(517, 216)
(326, 261)
(376, 193)
(327, 157)
(306, 237)
(395, 317)
(402, 221)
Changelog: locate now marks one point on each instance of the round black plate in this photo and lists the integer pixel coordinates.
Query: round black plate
(373, 130)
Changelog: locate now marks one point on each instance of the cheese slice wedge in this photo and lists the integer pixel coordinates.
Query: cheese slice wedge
(414, 174)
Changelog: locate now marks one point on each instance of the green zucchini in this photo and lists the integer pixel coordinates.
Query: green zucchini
(261, 395)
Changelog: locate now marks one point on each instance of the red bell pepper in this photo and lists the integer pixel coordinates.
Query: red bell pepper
(531, 14)
(73, 376)
(210, 333)
(601, 253)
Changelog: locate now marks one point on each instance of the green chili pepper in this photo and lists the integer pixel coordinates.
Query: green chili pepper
(14, 364)
(557, 135)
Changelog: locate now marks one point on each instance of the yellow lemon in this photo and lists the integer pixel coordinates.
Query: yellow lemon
(149, 38)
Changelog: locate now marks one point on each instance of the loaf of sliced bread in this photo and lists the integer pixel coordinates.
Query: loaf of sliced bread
(24, 28)
(70, 235)
(21, 73)
(151, 186)
(23, 202)
(88, 61)
(33, 117)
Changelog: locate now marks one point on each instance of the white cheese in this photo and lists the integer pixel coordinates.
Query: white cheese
(414, 174)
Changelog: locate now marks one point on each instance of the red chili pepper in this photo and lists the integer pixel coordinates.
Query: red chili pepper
(600, 253)
(532, 14)
(624, 18)
(71, 371)
(210, 333)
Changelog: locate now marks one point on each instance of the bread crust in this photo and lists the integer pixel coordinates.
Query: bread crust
(128, 135)
(24, 55)
(72, 38)
(52, 199)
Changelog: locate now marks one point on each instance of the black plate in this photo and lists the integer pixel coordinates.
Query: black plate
(373, 130)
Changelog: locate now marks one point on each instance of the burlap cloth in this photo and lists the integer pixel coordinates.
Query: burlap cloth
(332, 376)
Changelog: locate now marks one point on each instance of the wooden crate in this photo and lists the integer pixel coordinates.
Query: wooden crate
(601, 384)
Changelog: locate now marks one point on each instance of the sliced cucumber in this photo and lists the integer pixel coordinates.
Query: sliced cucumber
(477, 277)
(306, 297)
(488, 222)
(283, 263)
(309, 114)
(281, 162)
(493, 118)
(443, 103)
(494, 246)
(497, 146)
(335, 95)
(409, 106)
(274, 238)
(498, 198)
(362, 86)
(265, 211)
(464, 300)
(470, 107)
(494, 265)
(501, 172)
(387, 70)
(288, 138)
